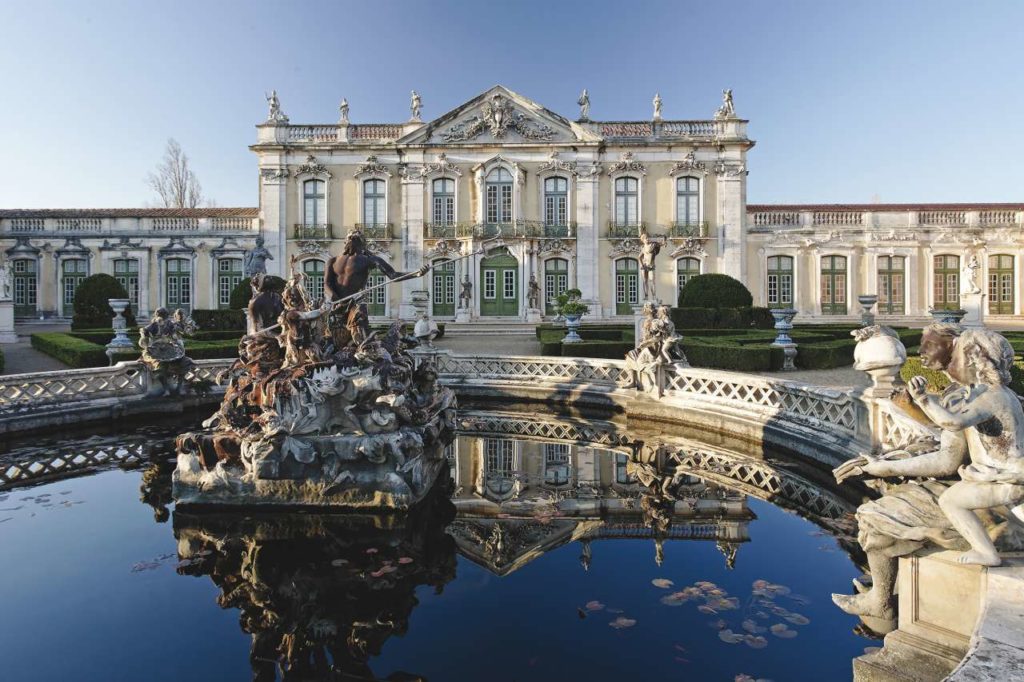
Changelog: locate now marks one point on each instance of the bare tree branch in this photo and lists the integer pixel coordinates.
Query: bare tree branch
(174, 181)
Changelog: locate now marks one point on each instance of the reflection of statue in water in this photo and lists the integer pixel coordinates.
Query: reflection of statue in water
(977, 466)
(316, 602)
(348, 274)
(162, 342)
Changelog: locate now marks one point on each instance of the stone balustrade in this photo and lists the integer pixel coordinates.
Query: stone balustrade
(877, 217)
(121, 225)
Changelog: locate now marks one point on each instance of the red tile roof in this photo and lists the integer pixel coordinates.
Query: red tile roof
(884, 207)
(129, 212)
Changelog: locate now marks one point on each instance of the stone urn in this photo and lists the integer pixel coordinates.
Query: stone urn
(572, 326)
(120, 327)
(783, 326)
(881, 354)
(950, 316)
(867, 302)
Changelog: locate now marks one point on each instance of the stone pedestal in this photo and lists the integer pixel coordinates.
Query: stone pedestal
(973, 305)
(7, 334)
(463, 315)
(533, 315)
(940, 602)
(415, 305)
(784, 325)
(867, 302)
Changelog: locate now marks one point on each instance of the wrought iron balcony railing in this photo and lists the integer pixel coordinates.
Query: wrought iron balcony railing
(322, 232)
(689, 229)
(374, 230)
(616, 229)
(441, 230)
(563, 230)
(514, 229)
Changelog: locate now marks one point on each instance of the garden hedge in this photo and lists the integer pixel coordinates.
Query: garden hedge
(91, 309)
(714, 290)
(77, 352)
(220, 320)
(938, 381)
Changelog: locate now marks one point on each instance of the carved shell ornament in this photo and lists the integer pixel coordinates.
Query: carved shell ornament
(498, 116)
(555, 164)
(312, 167)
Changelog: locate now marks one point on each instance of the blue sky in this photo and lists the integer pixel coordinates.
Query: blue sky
(848, 101)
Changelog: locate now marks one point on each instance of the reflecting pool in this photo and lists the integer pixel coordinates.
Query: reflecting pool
(562, 548)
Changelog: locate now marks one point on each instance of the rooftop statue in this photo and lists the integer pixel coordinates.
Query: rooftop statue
(343, 111)
(728, 109)
(415, 106)
(274, 114)
(319, 410)
(584, 102)
(950, 489)
(657, 106)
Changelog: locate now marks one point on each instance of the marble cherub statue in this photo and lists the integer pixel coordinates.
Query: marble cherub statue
(977, 465)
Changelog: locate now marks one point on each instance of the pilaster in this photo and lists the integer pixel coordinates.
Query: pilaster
(587, 244)
(412, 244)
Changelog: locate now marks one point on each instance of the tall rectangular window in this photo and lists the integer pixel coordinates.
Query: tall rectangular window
(374, 209)
(444, 201)
(1000, 285)
(946, 282)
(833, 285)
(229, 274)
(892, 271)
(556, 201)
(780, 281)
(498, 197)
(627, 201)
(687, 204)
(313, 207)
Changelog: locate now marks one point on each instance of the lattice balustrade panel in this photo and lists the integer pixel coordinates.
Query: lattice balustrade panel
(898, 429)
(529, 369)
(20, 392)
(760, 479)
(821, 405)
(24, 470)
(208, 369)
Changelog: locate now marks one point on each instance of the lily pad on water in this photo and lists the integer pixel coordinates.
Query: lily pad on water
(663, 583)
(783, 631)
(339, 562)
(705, 609)
(673, 599)
(717, 624)
(730, 637)
(622, 622)
(752, 627)
(405, 560)
(797, 619)
(755, 641)
(594, 605)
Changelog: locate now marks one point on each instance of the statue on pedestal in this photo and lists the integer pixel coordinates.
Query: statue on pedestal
(969, 285)
(415, 106)
(728, 109)
(343, 111)
(656, 348)
(275, 115)
(977, 465)
(533, 294)
(5, 281)
(584, 102)
(657, 106)
(162, 342)
(256, 259)
(466, 295)
(649, 250)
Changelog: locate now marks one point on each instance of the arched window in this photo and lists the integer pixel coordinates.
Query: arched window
(686, 269)
(556, 464)
(178, 283)
(627, 207)
(556, 282)
(314, 211)
(946, 282)
(26, 286)
(687, 201)
(314, 271)
(498, 197)
(374, 205)
(780, 281)
(627, 285)
(498, 472)
(1000, 284)
(833, 285)
(73, 271)
(556, 203)
(892, 278)
(444, 201)
(229, 274)
(126, 272)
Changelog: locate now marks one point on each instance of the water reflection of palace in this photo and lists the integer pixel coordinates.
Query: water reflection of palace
(518, 499)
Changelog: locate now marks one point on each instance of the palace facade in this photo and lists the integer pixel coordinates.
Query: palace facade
(512, 191)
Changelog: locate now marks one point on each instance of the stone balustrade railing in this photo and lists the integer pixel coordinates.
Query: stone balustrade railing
(127, 225)
(762, 218)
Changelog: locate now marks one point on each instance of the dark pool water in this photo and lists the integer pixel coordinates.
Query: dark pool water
(96, 584)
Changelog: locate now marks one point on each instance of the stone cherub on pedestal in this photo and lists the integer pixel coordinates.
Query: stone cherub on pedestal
(162, 342)
(656, 349)
(954, 489)
(321, 411)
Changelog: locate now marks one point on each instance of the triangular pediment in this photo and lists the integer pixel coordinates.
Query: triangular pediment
(500, 116)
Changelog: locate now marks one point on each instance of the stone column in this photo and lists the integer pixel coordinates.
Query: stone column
(274, 216)
(732, 208)
(587, 244)
(412, 244)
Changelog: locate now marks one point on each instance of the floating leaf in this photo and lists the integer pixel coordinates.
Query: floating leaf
(730, 637)
(755, 641)
(704, 608)
(372, 550)
(663, 583)
(797, 619)
(405, 560)
(339, 562)
(594, 605)
(782, 631)
(760, 584)
(779, 589)
(622, 622)
(717, 624)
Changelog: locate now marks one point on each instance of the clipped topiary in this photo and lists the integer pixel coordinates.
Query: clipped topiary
(714, 291)
(91, 308)
(242, 292)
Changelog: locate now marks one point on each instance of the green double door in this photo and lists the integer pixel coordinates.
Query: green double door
(444, 288)
(499, 281)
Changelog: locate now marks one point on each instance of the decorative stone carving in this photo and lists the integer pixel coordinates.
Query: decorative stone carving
(730, 170)
(533, 293)
(656, 349)
(498, 116)
(649, 250)
(969, 276)
(556, 246)
(689, 164)
(443, 248)
(343, 112)
(315, 248)
(595, 169)
(784, 325)
(256, 259)
(554, 164)
(162, 342)
(584, 102)
(312, 167)
(977, 463)
(626, 163)
(122, 243)
(690, 246)
(372, 167)
(426, 330)
(881, 354)
(273, 174)
(379, 247)
(319, 411)
(5, 281)
(656, 102)
(728, 108)
(274, 113)
(805, 240)
(893, 236)
(627, 246)
(466, 293)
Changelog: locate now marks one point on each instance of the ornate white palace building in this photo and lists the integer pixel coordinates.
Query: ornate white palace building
(558, 199)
